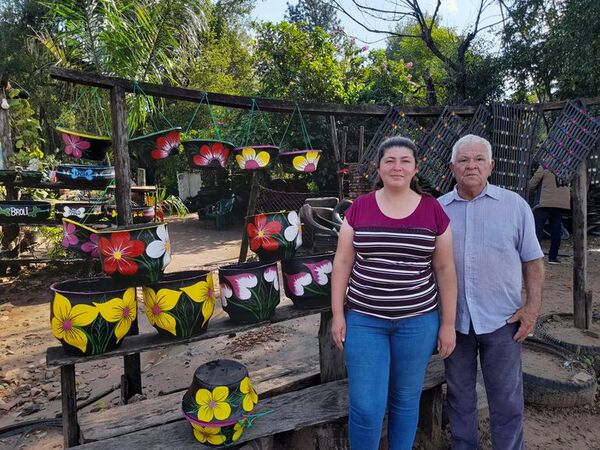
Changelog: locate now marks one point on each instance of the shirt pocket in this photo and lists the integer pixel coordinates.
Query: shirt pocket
(499, 236)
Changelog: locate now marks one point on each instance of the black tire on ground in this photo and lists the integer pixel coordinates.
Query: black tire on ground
(557, 394)
(578, 349)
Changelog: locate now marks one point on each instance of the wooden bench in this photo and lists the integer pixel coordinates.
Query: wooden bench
(112, 425)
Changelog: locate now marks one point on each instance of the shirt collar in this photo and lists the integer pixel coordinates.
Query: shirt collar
(490, 190)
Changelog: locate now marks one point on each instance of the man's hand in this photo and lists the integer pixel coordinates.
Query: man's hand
(527, 317)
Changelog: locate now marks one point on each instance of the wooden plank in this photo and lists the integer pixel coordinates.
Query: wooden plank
(68, 395)
(56, 356)
(579, 211)
(283, 106)
(296, 410)
(58, 185)
(157, 411)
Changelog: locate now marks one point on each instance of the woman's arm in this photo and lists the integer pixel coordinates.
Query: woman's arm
(445, 276)
(342, 267)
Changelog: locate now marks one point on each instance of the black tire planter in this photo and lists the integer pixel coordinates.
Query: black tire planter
(80, 145)
(84, 211)
(307, 280)
(7, 175)
(554, 393)
(274, 236)
(303, 161)
(249, 291)
(79, 175)
(31, 176)
(140, 214)
(227, 384)
(24, 211)
(255, 157)
(546, 335)
(157, 146)
(91, 316)
(190, 297)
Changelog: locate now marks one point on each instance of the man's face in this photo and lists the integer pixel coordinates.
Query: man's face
(472, 166)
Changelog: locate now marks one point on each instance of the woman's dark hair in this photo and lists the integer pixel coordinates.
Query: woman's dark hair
(398, 141)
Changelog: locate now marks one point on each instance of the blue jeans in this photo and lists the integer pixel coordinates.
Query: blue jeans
(500, 358)
(386, 362)
(554, 215)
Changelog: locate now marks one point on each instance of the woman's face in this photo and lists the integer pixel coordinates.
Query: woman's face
(397, 167)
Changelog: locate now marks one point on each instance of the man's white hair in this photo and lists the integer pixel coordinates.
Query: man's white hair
(471, 139)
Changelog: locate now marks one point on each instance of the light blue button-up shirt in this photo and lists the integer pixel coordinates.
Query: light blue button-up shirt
(493, 234)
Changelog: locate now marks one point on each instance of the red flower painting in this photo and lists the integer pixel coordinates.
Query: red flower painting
(118, 252)
(260, 233)
(214, 155)
(165, 145)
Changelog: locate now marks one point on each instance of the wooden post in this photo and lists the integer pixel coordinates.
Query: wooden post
(579, 201)
(361, 142)
(132, 377)
(68, 395)
(331, 359)
(336, 152)
(256, 177)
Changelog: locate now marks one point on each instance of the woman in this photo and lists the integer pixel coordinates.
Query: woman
(394, 258)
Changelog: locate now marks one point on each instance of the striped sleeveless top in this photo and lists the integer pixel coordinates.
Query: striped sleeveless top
(392, 277)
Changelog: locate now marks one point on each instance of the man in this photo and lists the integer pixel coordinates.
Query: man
(495, 247)
(553, 201)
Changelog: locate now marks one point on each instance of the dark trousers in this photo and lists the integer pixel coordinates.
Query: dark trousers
(500, 358)
(554, 215)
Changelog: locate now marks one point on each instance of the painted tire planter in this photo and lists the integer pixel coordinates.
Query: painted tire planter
(140, 214)
(181, 304)
(85, 176)
(82, 145)
(307, 280)
(208, 153)
(135, 255)
(91, 316)
(7, 175)
(218, 402)
(84, 211)
(274, 236)
(249, 291)
(24, 211)
(300, 160)
(81, 238)
(254, 157)
(158, 145)
(31, 176)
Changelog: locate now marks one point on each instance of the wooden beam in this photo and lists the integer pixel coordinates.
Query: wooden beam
(579, 211)
(68, 394)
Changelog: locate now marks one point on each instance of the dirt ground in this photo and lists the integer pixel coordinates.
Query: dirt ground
(30, 392)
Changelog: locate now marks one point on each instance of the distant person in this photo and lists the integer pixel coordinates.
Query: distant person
(553, 202)
(495, 249)
(393, 298)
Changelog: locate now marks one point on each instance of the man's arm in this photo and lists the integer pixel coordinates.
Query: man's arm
(533, 276)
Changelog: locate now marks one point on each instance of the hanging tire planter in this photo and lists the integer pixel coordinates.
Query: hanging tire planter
(157, 146)
(304, 161)
(24, 211)
(218, 402)
(91, 316)
(181, 304)
(249, 291)
(255, 157)
(274, 236)
(307, 280)
(208, 153)
(554, 377)
(83, 145)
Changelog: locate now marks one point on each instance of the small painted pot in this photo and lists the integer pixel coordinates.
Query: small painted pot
(249, 291)
(85, 176)
(31, 176)
(158, 145)
(254, 157)
(140, 214)
(91, 316)
(218, 402)
(24, 211)
(135, 255)
(300, 160)
(7, 175)
(84, 211)
(181, 303)
(274, 236)
(82, 145)
(208, 153)
(307, 280)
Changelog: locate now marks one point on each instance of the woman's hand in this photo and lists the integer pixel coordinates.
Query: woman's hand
(338, 330)
(446, 340)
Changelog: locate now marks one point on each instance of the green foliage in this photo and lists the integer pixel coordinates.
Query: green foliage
(173, 206)
(25, 126)
(313, 13)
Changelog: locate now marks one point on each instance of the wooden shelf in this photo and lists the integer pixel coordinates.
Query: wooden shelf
(75, 186)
